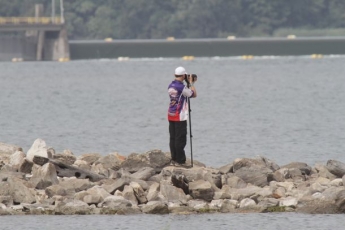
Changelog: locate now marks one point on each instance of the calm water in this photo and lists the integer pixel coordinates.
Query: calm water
(287, 109)
(284, 221)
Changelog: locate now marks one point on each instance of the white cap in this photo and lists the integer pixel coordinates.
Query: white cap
(180, 71)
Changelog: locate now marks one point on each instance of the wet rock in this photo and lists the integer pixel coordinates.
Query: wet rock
(228, 206)
(75, 207)
(116, 202)
(155, 207)
(247, 202)
(289, 202)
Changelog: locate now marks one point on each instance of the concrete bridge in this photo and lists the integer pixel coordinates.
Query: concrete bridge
(30, 23)
(42, 38)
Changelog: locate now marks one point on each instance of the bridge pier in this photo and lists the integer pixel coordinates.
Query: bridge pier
(40, 45)
(45, 39)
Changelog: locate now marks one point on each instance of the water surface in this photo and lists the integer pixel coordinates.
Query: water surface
(286, 108)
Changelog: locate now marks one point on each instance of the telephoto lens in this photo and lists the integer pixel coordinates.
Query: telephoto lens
(194, 76)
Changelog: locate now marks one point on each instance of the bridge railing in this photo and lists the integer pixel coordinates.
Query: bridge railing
(30, 20)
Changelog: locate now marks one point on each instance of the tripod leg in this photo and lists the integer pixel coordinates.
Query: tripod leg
(190, 132)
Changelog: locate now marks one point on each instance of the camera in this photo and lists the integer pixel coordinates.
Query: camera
(194, 77)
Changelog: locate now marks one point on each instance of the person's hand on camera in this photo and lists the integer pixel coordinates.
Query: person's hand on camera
(191, 80)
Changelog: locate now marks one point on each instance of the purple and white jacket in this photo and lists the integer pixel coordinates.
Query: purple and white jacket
(178, 108)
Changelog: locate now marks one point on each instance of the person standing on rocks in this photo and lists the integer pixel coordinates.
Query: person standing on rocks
(178, 113)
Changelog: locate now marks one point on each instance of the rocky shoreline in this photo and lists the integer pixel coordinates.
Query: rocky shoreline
(42, 182)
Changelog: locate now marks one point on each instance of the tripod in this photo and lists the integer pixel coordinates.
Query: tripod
(190, 129)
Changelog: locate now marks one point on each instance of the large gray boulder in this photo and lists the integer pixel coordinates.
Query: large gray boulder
(144, 173)
(128, 194)
(17, 159)
(66, 157)
(16, 188)
(153, 192)
(259, 162)
(44, 176)
(8, 149)
(75, 207)
(114, 185)
(323, 171)
(201, 189)
(172, 193)
(111, 161)
(256, 175)
(155, 159)
(156, 207)
(116, 202)
(139, 192)
(55, 190)
(74, 185)
(235, 182)
(303, 167)
(336, 167)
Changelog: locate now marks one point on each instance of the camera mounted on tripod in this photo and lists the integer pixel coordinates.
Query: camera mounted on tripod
(187, 76)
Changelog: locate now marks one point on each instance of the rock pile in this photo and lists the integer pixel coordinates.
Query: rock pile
(43, 182)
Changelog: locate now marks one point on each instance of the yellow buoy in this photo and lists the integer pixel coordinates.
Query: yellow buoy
(316, 56)
(17, 59)
(108, 39)
(123, 58)
(291, 36)
(170, 38)
(231, 37)
(247, 57)
(188, 58)
(63, 59)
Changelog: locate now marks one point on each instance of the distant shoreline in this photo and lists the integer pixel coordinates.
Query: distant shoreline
(190, 48)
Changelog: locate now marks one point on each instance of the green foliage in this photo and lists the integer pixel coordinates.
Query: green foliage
(145, 19)
(276, 209)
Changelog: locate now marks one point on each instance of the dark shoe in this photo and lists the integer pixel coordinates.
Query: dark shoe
(182, 165)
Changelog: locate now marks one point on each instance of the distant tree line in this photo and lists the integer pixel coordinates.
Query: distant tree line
(145, 19)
